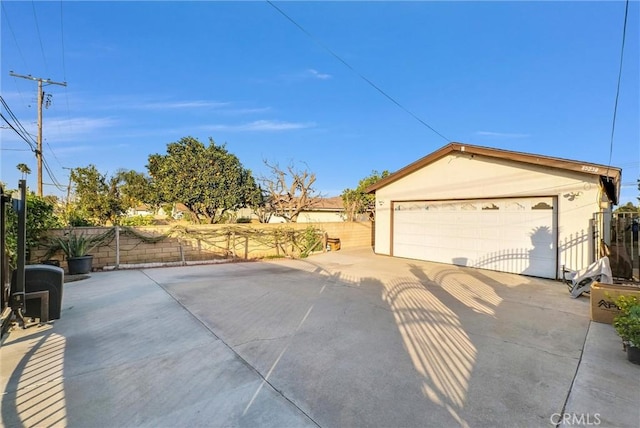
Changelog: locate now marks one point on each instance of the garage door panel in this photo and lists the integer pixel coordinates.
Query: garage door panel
(511, 235)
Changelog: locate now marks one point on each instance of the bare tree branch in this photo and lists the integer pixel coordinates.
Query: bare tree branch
(289, 191)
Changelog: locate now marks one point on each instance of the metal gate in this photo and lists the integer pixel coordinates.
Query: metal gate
(5, 279)
(620, 232)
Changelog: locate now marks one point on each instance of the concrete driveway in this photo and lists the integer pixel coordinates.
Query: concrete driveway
(338, 339)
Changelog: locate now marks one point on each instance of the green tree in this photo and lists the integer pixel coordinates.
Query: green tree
(357, 201)
(40, 219)
(627, 208)
(97, 196)
(208, 180)
(135, 188)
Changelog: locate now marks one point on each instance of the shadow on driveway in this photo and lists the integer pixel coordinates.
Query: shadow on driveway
(357, 339)
(340, 339)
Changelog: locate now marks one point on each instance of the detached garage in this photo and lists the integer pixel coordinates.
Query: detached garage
(496, 209)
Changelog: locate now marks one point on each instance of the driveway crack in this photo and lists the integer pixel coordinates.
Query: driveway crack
(265, 379)
(265, 339)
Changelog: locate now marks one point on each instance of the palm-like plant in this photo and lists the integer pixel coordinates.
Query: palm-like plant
(74, 244)
(24, 169)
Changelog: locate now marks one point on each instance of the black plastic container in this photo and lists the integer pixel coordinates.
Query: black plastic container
(42, 278)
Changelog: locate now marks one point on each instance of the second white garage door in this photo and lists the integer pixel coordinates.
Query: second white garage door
(508, 235)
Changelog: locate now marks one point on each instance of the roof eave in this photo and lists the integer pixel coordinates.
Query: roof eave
(611, 173)
(414, 166)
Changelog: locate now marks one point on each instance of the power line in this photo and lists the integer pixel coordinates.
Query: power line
(17, 132)
(53, 153)
(52, 175)
(20, 130)
(44, 58)
(615, 106)
(345, 63)
(15, 40)
(4, 13)
(23, 132)
(64, 66)
(39, 155)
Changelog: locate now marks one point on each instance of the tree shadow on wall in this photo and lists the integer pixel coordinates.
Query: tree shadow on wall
(543, 250)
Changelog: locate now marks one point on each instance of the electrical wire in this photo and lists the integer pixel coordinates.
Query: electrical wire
(6, 17)
(15, 40)
(345, 63)
(21, 131)
(15, 119)
(33, 149)
(28, 138)
(615, 105)
(35, 17)
(64, 66)
(51, 175)
(54, 155)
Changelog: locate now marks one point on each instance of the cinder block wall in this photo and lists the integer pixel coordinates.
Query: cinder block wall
(351, 234)
(205, 242)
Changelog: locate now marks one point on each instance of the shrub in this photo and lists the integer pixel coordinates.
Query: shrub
(40, 218)
(139, 220)
(76, 219)
(310, 241)
(627, 323)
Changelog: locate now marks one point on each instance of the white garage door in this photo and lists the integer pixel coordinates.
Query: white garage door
(508, 235)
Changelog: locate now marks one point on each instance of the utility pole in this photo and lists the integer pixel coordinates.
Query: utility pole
(40, 81)
(69, 186)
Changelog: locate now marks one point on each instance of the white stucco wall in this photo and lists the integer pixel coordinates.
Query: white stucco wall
(320, 217)
(312, 217)
(465, 176)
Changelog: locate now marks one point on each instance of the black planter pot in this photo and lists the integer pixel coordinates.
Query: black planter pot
(79, 265)
(633, 354)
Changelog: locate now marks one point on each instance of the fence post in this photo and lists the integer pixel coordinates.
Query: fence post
(233, 251)
(117, 247)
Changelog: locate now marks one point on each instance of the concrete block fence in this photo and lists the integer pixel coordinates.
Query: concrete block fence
(134, 245)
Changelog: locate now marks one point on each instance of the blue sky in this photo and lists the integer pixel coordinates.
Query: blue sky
(537, 77)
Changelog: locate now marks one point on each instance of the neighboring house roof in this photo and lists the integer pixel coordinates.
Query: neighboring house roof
(609, 176)
(326, 204)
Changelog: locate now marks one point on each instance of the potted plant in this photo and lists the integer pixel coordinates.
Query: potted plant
(76, 247)
(627, 325)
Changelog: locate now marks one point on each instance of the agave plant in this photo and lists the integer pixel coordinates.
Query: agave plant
(74, 244)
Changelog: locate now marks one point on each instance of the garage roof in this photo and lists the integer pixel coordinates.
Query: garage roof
(609, 176)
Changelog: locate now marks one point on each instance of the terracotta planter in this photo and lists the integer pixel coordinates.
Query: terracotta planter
(79, 265)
